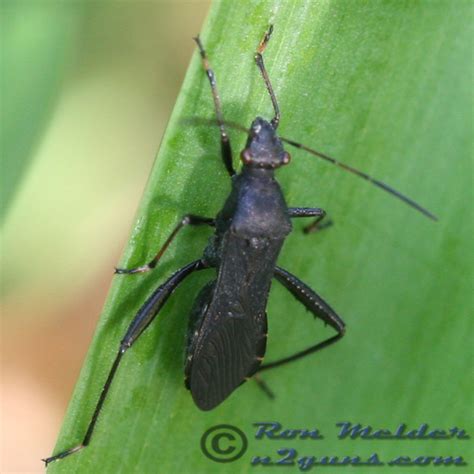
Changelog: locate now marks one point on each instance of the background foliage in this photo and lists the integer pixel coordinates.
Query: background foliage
(86, 90)
(382, 86)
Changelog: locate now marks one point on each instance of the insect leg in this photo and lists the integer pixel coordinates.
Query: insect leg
(226, 149)
(317, 306)
(188, 219)
(311, 212)
(140, 322)
(259, 60)
(264, 386)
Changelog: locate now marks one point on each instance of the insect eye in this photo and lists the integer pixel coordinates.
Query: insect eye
(286, 158)
(246, 156)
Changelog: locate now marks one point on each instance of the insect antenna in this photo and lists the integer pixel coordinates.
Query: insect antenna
(363, 175)
(341, 165)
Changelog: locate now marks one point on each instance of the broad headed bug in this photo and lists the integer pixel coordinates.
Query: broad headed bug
(228, 323)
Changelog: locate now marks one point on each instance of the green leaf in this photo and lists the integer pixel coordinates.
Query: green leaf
(37, 42)
(383, 87)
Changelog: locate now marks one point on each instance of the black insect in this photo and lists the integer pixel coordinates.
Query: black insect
(228, 323)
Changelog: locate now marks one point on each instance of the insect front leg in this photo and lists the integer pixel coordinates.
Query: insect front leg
(226, 150)
(188, 219)
(317, 224)
(261, 65)
(141, 321)
(317, 306)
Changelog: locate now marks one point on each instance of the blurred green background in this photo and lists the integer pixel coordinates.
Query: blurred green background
(382, 85)
(87, 89)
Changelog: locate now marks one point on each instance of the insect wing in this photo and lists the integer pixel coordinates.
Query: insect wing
(228, 351)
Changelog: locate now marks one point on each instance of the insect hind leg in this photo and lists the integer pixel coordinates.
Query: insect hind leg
(264, 386)
(314, 303)
(140, 322)
(262, 346)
